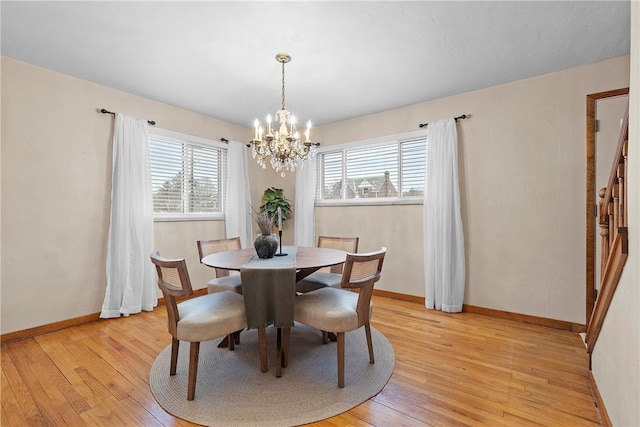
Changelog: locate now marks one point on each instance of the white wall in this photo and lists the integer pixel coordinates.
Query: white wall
(56, 183)
(522, 174)
(616, 357)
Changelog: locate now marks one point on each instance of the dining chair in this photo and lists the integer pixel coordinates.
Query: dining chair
(224, 281)
(333, 277)
(333, 310)
(196, 319)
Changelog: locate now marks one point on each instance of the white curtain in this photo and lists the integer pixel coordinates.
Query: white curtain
(304, 219)
(238, 199)
(443, 237)
(131, 285)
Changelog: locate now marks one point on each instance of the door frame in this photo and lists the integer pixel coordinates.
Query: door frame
(592, 204)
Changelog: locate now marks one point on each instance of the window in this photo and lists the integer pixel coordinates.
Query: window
(187, 175)
(381, 171)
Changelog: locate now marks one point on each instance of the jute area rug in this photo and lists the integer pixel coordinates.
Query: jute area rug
(232, 391)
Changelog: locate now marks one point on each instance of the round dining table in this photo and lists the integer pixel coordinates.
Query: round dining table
(308, 259)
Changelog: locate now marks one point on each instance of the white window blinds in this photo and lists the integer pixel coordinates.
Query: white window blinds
(382, 171)
(187, 177)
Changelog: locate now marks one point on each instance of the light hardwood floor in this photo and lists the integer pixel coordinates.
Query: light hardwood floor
(451, 370)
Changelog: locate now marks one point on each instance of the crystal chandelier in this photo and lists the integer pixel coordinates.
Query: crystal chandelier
(281, 143)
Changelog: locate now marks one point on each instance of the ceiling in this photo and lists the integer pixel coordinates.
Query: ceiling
(349, 59)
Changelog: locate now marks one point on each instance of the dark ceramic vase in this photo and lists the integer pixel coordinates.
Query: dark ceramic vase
(266, 245)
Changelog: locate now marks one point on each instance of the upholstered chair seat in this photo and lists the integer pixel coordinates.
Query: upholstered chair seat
(224, 280)
(328, 310)
(210, 316)
(232, 282)
(333, 277)
(334, 310)
(317, 280)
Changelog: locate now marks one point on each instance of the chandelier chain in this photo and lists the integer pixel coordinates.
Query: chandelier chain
(283, 85)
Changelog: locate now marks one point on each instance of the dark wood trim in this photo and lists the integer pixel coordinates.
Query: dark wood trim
(534, 320)
(597, 400)
(611, 275)
(591, 192)
(398, 296)
(63, 324)
(45, 329)
(196, 293)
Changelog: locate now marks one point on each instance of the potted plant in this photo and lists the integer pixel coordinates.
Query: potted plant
(272, 199)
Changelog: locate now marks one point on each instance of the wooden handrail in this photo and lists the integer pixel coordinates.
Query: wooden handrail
(591, 195)
(619, 163)
(612, 216)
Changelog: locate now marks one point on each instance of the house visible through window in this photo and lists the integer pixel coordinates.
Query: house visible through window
(187, 176)
(385, 170)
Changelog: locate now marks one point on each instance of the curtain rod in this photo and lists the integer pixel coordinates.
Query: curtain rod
(103, 111)
(153, 123)
(464, 116)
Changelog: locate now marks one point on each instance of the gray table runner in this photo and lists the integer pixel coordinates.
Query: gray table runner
(269, 289)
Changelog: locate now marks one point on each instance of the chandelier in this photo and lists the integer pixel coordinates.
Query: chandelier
(281, 143)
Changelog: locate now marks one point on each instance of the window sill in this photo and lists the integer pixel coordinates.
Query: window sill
(371, 202)
(192, 217)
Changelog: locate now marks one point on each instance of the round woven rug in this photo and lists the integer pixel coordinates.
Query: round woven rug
(232, 391)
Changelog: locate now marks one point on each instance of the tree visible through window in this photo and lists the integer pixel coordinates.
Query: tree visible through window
(187, 177)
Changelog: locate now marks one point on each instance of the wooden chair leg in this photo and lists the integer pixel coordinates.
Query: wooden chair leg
(262, 340)
(325, 337)
(279, 352)
(340, 339)
(225, 341)
(367, 330)
(232, 341)
(193, 370)
(175, 344)
(285, 346)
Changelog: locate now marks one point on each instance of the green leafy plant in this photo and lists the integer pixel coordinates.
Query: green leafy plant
(272, 199)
